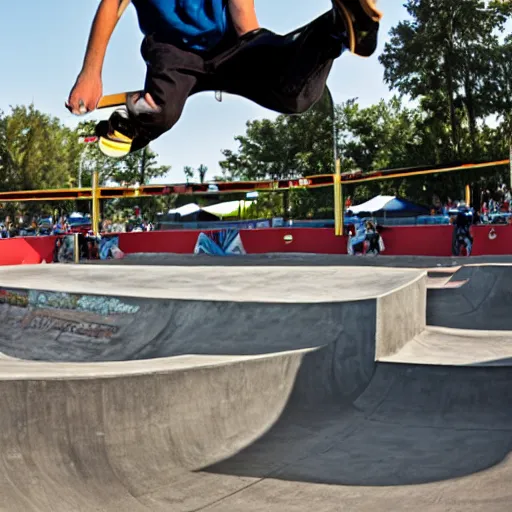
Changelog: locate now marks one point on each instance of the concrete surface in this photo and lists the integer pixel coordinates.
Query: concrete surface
(179, 310)
(300, 259)
(482, 302)
(254, 284)
(456, 347)
(229, 403)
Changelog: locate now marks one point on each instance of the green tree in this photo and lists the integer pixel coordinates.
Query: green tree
(140, 167)
(188, 172)
(441, 57)
(36, 152)
(288, 147)
(500, 97)
(201, 171)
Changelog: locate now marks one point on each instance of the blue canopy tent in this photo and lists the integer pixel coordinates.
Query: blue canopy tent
(389, 206)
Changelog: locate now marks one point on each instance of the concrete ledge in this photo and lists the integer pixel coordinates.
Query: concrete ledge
(401, 315)
(442, 346)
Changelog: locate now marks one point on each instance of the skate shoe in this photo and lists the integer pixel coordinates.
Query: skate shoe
(361, 21)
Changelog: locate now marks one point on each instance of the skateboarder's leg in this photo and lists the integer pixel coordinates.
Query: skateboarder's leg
(283, 73)
(288, 73)
(172, 74)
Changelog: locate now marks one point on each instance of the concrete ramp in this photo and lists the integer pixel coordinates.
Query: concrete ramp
(228, 389)
(456, 347)
(85, 314)
(482, 301)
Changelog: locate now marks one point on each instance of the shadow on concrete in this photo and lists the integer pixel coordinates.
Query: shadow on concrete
(482, 303)
(412, 425)
(501, 362)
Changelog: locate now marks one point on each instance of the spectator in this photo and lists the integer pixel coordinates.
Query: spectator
(373, 238)
(462, 230)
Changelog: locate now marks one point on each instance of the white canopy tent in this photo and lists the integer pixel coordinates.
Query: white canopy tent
(391, 206)
(220, 210)
(187, 209)
(229, 208)
(373, 205)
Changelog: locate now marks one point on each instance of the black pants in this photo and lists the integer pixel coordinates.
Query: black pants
(373, 239)
(284, 73)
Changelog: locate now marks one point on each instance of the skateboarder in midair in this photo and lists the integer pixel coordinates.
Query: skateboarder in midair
(192, 46)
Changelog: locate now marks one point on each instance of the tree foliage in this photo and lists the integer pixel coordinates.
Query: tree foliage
(139, 167)
(441, 56)
(288, 147)
(38, 152)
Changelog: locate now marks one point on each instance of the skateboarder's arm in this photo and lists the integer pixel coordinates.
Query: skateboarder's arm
(243, 16)
(88, 88)
(103, 26)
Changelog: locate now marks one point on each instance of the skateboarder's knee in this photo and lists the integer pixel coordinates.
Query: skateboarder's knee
(155, 119)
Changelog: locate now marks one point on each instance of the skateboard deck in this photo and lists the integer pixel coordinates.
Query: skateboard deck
(113, 100)
(122, 7)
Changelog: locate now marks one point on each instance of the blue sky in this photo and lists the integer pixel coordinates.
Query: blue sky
(42, 47)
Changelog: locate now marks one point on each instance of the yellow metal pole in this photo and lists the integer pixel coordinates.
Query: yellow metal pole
(76, 248)
(95, 203)
(342, 209)
(468, 195)
(338, 207)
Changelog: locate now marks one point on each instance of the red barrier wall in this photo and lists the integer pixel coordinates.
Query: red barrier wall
(399, 240)
(307, 240)
(179, 242)
(30, 250)
(255, 241)
(500, 245)
(418, 240)
(428, 240)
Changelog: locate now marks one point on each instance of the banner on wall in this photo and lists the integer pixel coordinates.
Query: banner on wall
(220, 243)
(90, 247)
(109, 248)
(64, 251)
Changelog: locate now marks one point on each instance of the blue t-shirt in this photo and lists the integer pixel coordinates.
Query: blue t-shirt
(196, 24)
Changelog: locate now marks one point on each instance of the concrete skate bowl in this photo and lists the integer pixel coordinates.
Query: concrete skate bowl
(258, 419)
(482, 302)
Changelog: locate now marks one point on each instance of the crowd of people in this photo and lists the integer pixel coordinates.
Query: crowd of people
(494, 206)
(67, 224)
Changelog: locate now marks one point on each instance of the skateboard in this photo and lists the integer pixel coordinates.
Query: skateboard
(115, 100)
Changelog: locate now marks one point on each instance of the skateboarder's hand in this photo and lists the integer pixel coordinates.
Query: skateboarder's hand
(85, 95)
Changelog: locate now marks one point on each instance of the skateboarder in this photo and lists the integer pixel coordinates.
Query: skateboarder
(217, 45)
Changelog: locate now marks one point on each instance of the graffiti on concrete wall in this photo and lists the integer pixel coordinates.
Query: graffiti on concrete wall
(14, 297)
(44, 322)
(100, 305)
(90, 303)
(220, 243)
